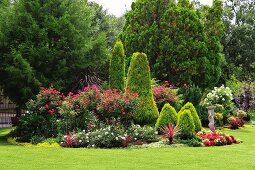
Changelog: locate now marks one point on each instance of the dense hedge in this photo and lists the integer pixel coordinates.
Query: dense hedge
(168, 115)
(139, 81)
(186, 124)
(189, 106)
(117, 67)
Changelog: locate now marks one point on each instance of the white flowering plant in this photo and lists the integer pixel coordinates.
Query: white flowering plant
(103, 137)
(142, 133)
(219, 95)
(222, 98)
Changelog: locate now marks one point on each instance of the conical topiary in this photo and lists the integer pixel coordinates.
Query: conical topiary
(189, 106)
(139, 81)
(186, 124)
(168, 115)
(117, 67)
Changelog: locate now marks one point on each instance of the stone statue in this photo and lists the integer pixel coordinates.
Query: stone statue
(211, 117)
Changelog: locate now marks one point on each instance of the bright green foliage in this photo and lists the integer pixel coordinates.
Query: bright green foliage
(186, 124)
(177, 39)
(197, 122)
(168, 115)
(117, 67)
(47, 42)
(139, 81)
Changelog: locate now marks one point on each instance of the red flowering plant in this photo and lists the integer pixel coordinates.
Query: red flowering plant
(41, 117)
(115, 105)
(78, 110)
(235, 122)
(47, 102)
(216, 138)
(164, 94)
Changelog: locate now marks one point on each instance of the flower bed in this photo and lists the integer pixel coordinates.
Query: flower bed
(216, 138)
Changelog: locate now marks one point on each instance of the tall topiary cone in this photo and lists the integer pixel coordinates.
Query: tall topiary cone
(189, 106)
(139, 81)
(186, 124)
(168, 115)
(117, 67)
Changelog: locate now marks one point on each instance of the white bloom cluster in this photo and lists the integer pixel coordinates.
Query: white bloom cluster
(219, 95)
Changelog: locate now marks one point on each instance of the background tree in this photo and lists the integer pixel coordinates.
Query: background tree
(177, 40)
(239, 38)
(117, 67)
(47, 42)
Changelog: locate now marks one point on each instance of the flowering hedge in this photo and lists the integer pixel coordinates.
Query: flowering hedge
(117, 105)
(165, 94)
(216, 138)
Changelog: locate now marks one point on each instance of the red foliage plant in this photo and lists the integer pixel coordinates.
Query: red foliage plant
(170, 131)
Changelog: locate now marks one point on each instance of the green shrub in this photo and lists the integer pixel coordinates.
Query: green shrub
(186, 125)
(191, 94)
(117, 67)
(143, 133)
(139, 81)
(168, 115)
(197, 122)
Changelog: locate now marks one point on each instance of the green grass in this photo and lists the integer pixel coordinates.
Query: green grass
(240, 156)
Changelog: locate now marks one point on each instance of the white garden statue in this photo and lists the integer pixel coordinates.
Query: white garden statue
(211, 117)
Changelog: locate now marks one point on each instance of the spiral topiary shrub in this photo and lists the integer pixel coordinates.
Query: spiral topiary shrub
(189, 106)
(186, 125)
(117, 67)
(168, 115)
(139, 81)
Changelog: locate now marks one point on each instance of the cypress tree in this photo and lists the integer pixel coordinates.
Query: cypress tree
(168, 115)
(117, 67)
(189, 106)
(139, 81)
(186, 125)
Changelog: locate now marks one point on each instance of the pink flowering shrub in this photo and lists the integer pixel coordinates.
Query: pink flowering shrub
(216, 138)
(42, 115)
(116, 105)
(47, 102)
(165, 94)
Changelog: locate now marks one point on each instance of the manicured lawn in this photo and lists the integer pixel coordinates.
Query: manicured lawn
(240, 156)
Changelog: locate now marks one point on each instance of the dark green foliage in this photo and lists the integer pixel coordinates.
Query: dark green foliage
(186, 125)
(239, 39)
(182, 45)
(197, 122)
(117, 67)
(191, 94)
(168, 115)
(139, 81)
(47, 42)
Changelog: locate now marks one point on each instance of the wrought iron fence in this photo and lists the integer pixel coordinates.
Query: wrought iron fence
(7, 111)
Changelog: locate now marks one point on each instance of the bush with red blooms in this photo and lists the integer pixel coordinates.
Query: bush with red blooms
(47, 102)
(42, 115)
(235, 122)
(216, 138)
(115, 105)
(164, 94)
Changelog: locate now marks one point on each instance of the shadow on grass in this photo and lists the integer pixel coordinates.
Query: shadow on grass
(3, 136)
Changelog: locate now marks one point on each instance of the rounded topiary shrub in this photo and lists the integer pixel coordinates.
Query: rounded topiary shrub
(117, 67)
(139, 81)
(189, 106)
(168, 115)
(186, 125)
